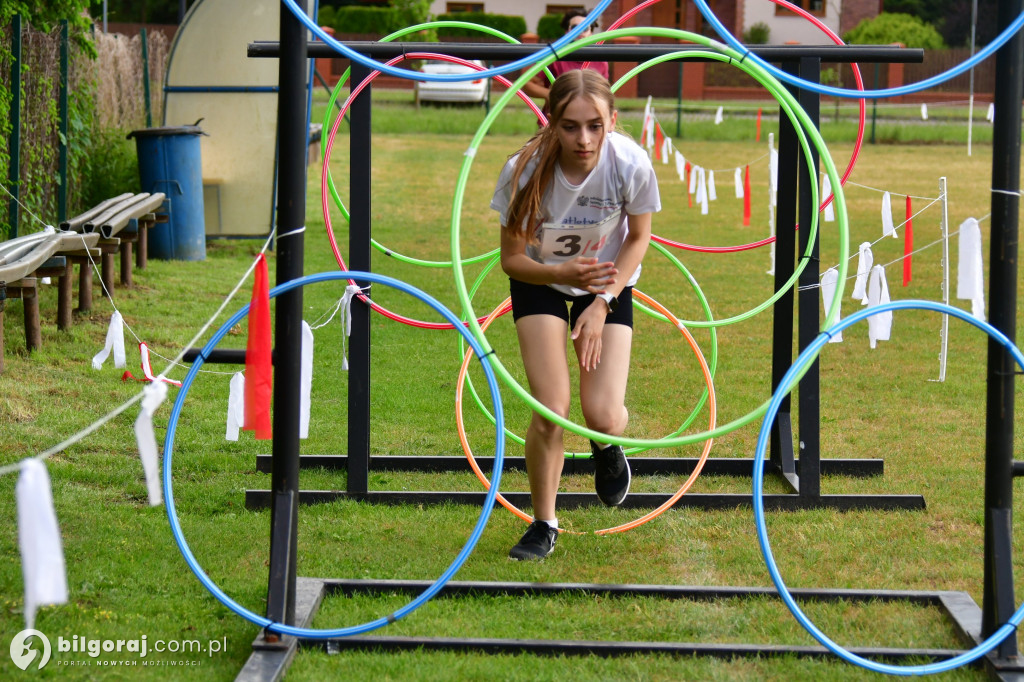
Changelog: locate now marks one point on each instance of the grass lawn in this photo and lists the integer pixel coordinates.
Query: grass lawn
(127, 579)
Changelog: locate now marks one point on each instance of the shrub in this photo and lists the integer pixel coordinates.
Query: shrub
(513, 26)
(549, 27)
(758, 34)
(889, 28)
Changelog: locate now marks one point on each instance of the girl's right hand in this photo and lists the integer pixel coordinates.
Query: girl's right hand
(587, 274)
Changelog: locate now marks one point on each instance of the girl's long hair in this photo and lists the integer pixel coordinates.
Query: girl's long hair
(525, 210)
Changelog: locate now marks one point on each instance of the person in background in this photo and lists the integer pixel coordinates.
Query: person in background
(575, 206)
(539, 86)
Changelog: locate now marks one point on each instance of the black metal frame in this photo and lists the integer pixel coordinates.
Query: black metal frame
(294, 600)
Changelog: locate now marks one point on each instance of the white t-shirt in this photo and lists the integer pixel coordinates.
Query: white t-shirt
(589, 219)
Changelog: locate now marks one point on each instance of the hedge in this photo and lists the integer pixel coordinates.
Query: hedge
(513, 26)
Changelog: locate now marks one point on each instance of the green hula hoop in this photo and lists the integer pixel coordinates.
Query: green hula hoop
(712, 364)
(758, 74)
(327, 124)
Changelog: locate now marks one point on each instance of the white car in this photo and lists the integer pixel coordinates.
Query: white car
(473, 91)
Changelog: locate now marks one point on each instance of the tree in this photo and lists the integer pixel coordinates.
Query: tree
(889, 28)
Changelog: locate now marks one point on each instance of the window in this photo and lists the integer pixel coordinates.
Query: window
(815, 7)
(453, 7)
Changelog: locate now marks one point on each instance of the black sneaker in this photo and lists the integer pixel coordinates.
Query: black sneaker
(536, 543)
(611, 474)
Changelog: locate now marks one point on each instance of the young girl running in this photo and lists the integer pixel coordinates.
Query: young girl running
(575, 205)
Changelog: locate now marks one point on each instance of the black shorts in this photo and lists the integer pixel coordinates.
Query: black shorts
(540, 299)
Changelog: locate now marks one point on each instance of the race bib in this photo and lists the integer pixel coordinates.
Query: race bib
(560, 243)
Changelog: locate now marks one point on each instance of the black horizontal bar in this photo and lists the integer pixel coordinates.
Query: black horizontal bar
(555, 647)
(618, 52)
(640, 466)
(260, 499)
(462, 588)
(223, 356)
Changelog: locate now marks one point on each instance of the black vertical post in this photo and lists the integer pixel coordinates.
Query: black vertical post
(782, 315)
(62, 106)
(291, 218)
(14, 143)
(809, 320)
(359, 258)
(998, 600)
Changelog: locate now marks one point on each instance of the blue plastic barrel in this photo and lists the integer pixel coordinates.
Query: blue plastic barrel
(170, 162)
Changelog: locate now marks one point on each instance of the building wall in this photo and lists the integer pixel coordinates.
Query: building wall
(855, 11)
(788, 27)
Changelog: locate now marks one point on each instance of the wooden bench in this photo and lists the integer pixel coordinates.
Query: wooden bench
(109, 228)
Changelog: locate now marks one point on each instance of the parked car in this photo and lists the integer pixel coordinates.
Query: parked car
(471, 91)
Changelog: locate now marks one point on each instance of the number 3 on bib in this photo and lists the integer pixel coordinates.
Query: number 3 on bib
(560, 243)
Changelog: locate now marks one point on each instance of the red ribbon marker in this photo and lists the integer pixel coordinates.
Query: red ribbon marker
(686, 181)
(258, 367)
(758, 138)
(746, 196)
(908, 243)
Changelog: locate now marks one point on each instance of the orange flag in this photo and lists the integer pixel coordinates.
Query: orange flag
(758, 138)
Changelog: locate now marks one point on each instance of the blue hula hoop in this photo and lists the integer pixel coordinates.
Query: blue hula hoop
(762, 534)
(499, 454)
(304, 19)
(819, 88)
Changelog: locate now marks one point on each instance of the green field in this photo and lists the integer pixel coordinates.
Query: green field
(127, 579)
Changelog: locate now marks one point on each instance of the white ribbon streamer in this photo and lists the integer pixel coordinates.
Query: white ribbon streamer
(147, 367)
(887, 227)
(738, 181)
(680, 166)
(702, 191)
(712, 192)
(970, 277)
(694, 171)
(306, 380)
(829, 280)
(115, 343)
(152, 396)
(719, 117)
(830, 209)
(879, 324)
(666, 146)
(236, 406)
(773, 165)
(346, 320)
(864, 262)
(924, 111)
(991, 114)
(42, 554)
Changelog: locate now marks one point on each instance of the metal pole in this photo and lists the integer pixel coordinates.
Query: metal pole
(62, 144)
(808, 323)
(970, 103)
(145, 75)
(874, 108)
(360, 229)
(291, 217)
(944, 329)
(14, 169)
(998, 600)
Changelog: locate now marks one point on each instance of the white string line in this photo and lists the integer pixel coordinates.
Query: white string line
(714, 170)
(897, 260)
(110, 297)
(81, 434)
(883, 191)
(26, 208)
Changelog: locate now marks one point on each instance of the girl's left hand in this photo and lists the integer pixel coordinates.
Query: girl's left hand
(586, 335)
